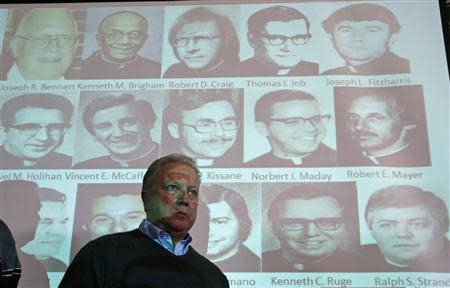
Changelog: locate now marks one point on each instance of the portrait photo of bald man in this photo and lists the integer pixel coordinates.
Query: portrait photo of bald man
(122, 43)
(42, 44)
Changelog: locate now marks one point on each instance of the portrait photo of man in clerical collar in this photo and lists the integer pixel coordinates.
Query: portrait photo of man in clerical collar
(37, 130)
(406, 227)
(363, 35)
(289, 128)
(234, 226)
(277, 42)
(310, 227)
(122, 43)
(42, 44)
(381, 126)
(118, 129)
(203, 41)
(204, 124)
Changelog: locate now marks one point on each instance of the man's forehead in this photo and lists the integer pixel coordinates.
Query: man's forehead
(52, 209)
(111, 203)
(362, 24)
(287, 28)
(318, 207)
(220, 209)
(370, 103)
(38, 115)
(118, 111)
(214, 110)
(48, 21)
(293, 108)
(123, 20)
(177, 170)
(400, 213)
(207, 28)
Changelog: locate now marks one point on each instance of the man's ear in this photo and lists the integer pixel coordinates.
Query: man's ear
(262, 129)
(251, 39)
(392, 39)
(174, 130)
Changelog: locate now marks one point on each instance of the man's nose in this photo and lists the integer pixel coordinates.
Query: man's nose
(358, 35)
(360, 124)
(311, 229)
(118, 226)
(125, 39)
(116, 131)
(404, 231)
(287, 45)
(43, 134)
(191, 46)
(53, 44)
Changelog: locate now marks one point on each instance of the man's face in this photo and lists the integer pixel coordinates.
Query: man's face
(172, 201)
(122, 35)
(299, 236)
(50, 61)
(215, 143)
(223, 229)
(404, 235)
(112, 214)
(119, 129)
(286, 55)
(52, 228)
(202, 44)
(361, 41)
(374, 124)
(291, 137)
(21, 142)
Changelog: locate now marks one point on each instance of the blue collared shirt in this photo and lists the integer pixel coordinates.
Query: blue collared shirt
(163, 238)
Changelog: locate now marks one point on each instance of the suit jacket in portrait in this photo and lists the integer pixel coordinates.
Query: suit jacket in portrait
(97, 67)
(324, 156)
(52, 160)
(253, 68)
(389, 63)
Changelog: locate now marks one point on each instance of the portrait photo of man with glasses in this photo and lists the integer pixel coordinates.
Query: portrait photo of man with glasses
(119, 125)
(278, 36)
(205, 43)
(295, 128)
(120, 36)
(205, 125)
(33, 127)
(43, 45)
(381, 126)
(315, 227)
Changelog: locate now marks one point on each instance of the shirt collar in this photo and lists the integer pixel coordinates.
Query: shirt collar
(163, 238)
(15, 75)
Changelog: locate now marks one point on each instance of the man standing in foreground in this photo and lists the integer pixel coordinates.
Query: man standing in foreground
(158, 253)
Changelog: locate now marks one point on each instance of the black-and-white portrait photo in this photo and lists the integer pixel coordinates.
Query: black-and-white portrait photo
(381, 126)
(123, 126)
(122, 43)
(204, 125)
(203, 42)
(34, 128)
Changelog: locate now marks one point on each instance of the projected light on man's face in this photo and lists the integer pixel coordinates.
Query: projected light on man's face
(289, 135)
(35, 132)
(223, 229)
(312, 227)
(208, 131)
(198, 44)
(52, 228)
(404, 235)
(45, 45)
(374, 124)
(122, 35)
(112, 214)
(281, 55)
(119, 129)
(361, 42)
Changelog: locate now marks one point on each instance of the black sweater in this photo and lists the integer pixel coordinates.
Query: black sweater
(132, 259)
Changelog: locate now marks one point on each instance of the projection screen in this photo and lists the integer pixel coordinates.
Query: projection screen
(321, 129)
